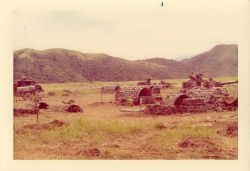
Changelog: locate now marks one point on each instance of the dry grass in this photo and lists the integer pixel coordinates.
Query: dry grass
(103, 132)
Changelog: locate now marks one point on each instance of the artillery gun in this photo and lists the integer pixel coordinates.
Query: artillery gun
(146, 82)
(196, 99)
(210, 83)
(197, 80)
(164, 84)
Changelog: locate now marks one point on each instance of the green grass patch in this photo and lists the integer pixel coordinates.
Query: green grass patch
(168, 138)
(187, 132)
(108, 127)
(93, 131)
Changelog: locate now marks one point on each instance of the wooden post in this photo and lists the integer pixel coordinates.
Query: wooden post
(37, 118)
(37, 114)
(101, 96)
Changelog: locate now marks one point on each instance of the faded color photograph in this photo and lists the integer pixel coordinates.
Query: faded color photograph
(158, 82)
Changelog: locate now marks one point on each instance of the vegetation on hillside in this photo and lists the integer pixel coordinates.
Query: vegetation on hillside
(62, 65)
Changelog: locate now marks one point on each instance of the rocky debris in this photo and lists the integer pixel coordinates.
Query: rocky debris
(66, 91)
(188, 143)
(51, 93)
(70, 101)
(231, 130)
(206, 144)
(115, 146)
(91, 152)
(20, 131)
(131, 110)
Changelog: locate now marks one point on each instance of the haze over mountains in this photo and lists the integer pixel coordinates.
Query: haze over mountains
(62, 65)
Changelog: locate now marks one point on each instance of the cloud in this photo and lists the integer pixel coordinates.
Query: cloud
(131, 30)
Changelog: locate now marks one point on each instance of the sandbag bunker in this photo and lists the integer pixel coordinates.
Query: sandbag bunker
(137, 95)
(65, 106)
(34, 108)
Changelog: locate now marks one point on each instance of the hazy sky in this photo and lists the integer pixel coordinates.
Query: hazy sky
(132, 29)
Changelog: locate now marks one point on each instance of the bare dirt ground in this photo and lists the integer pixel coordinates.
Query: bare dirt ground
(102, 131)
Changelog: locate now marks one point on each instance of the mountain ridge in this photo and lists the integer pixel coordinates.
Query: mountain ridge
(63, 65)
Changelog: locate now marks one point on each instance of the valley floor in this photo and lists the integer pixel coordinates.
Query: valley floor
(102, 131)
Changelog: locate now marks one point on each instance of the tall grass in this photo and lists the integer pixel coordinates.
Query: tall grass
(169, 138)
(188, 132)
(94, 131)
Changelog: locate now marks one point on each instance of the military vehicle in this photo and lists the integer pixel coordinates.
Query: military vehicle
(164, 84)
(198, 80)
(210, 83)
(26, 88)
(196, 97)
(195, 80)
(146, 82)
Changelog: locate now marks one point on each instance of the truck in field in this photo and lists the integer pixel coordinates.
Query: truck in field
(26, 88)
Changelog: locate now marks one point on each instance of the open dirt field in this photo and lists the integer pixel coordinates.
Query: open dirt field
(102, 131)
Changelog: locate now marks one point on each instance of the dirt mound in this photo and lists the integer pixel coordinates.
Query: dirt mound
(205, 143)
(160, 126)
(92, 152)
(187, 143)
(20, 131)
(16, 114)
(66, 91)
(51, 93)
(42, 105)
(207, 146)
(74, 109)
(232, 130)
(49, 126)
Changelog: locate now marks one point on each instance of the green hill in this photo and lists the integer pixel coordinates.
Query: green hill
(62, 65)
(222, 60)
